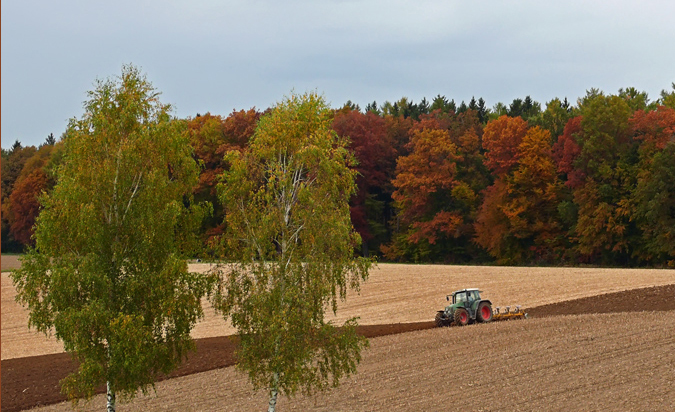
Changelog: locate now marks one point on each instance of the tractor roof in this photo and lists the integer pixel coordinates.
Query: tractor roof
(465, 290)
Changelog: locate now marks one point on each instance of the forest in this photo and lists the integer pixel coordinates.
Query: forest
(585, 183)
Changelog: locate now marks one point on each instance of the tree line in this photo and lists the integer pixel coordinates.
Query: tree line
(563, 183)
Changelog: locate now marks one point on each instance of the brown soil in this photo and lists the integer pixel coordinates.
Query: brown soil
(394, 293)
(33, 381)
(613, 362)
(645, 299)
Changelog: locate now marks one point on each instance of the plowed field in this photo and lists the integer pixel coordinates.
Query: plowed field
(579, 362)
(595, 353)
(394, 294)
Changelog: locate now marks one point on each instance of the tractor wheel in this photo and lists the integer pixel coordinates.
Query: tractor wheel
(441, 320)
(461, 317)
(484, 312)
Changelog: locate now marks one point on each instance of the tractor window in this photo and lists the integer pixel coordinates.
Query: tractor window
(474, 295)
(460, 297)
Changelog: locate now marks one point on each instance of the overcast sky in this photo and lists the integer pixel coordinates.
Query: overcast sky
(217, 56)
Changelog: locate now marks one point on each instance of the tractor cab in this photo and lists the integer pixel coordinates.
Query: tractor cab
(464, 298)
(466, 307)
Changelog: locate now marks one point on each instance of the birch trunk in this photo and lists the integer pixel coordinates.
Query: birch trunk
(273, 395)
(110, 395)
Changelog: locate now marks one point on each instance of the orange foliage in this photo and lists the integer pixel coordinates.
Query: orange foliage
(424, 182)
(516, 221)
(24, 205)
(492, 224)
(501, 138)
(212, 136)
(399, 131)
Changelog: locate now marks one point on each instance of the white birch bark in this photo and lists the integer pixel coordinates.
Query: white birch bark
(273, 401)
(273, 394)
(110, 396)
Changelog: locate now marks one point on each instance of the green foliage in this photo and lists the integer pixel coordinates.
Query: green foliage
(107, 275)
(527, 109)
(668, 97)
(555, 117)
(441, 103)
(608, 159)
(635, 99)
(292, 245)
(655, 211)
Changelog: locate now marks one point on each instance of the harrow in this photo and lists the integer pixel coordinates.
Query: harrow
(507, 314)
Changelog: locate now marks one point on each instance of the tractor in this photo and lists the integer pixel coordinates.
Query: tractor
(466, 307)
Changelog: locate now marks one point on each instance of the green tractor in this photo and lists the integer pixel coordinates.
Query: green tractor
(466, 307)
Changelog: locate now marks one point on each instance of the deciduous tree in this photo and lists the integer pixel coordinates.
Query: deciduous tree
(35, 178)
(517, 221)
(376, 157)
(211, 137)
(501, 138)
(608, 160)
(654, 196)
(107, 275)
(13, 163)
(292, 244)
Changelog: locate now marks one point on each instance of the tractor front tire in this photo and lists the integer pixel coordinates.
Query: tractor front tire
(441, 320)
(461, 317)
(484, 312)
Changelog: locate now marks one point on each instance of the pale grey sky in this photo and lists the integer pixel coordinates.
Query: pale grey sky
(217, 56)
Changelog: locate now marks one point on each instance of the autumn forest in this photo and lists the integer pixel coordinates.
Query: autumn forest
(589, 182)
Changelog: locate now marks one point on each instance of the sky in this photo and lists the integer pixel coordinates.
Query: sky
(218, 56)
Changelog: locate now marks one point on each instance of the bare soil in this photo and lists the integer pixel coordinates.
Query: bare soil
(393, 294)
(562, 363)
(9, 262)
(573, 360)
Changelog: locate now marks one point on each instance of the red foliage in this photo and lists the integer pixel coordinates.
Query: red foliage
(376, 157)
(566, 150)
(656, 128)
(212, 137)
(239, 127)
(371, 144)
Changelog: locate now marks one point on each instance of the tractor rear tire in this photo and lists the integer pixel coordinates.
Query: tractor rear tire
(441, 320)
(461, 317)
(484, 312)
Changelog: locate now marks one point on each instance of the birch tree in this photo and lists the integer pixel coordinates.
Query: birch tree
(107, 276)
(292, 245)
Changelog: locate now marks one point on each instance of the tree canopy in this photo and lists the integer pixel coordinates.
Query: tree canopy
(107, 275)
(291, 243)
